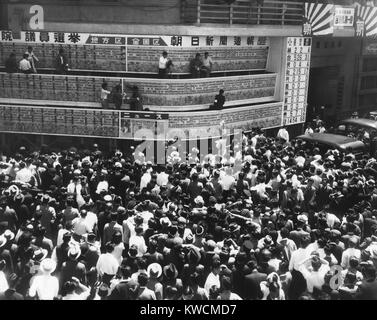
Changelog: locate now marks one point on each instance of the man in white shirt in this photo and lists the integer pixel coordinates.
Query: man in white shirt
(207, 65)
(300, 254)
(315, 272)
(213, 279)
(138, 241)
(283, 134)
(350, 252)
(81, 225)
(107, 264)
(25, 65)
(25, 175)
(45, 285)
(162, 65)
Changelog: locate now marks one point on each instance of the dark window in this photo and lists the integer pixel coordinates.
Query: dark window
(370, 64)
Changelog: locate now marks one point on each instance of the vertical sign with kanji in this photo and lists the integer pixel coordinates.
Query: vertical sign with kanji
(296, 79)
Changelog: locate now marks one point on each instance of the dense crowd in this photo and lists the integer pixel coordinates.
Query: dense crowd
(291, 223)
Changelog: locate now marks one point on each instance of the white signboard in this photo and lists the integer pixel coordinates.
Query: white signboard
(296, 79)
(344, 17)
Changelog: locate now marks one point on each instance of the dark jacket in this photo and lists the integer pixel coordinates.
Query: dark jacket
(367, 290)
(125, 290)
(61, 64)
(252, 288)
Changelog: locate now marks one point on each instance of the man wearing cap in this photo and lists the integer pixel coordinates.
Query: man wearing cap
(73, 267)
(154, 272)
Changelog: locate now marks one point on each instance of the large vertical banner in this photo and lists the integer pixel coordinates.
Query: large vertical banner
(296, 79)
(366, 21)
(318, 19)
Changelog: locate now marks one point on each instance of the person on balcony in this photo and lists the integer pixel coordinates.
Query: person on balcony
(61, 62)
(196, 66)
(104, 96)
(24, 65)
(11, 64)
(136, 103)
(32, 58)
(207, 65)
(164, 65)
(219, 101)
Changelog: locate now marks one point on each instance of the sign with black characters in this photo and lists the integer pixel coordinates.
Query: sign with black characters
(296, 79)
(79, 38)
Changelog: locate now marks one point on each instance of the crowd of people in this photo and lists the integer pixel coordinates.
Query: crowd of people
(290, 223)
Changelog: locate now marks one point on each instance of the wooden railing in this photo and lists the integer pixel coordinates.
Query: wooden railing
(249, 12)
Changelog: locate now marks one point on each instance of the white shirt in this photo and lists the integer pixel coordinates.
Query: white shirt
(80, 226)
(297, 257)
(347, 254)
(102, 185)
(139, 242)
(314, 279)
(283, 133)
(74, 296)
(3, 282)
(227, 182)
(145, 179)
(91, 220)
(61, 233)
(162, 62)
(212, 280)
(107, 263)
(162, 179)
(24, 175)
(46, 286)
(24, 65)
(104, 93)
(117, 253)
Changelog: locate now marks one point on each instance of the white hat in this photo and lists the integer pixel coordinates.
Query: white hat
(199, 200)
(48, 265)
(9, 235)
(154, 270)
(165, 220)
(302, 218)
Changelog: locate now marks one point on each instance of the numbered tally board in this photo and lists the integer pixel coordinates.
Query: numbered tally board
(59, 121)
(296, 79)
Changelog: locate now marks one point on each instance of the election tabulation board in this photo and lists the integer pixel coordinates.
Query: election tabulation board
(131, 123)
(296, 79)
(59, 121)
